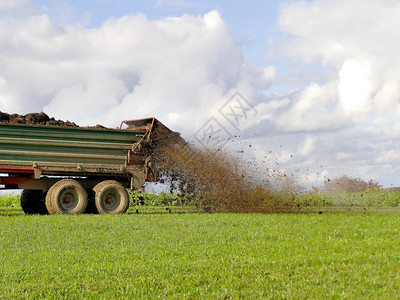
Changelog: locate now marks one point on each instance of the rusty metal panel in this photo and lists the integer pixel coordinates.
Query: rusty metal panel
(156, 130)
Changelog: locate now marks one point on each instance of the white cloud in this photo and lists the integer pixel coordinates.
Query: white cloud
(388, 95)
(174, 68)
(313, 179)
(313, 109)
(358, 38)
(101, 94)
(389, 156)
(17, 7)
(355, 113)
(355, 86)
(13, 4)
(307, 146)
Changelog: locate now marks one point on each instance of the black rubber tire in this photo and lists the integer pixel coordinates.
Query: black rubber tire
(91, 207)
(66, 196)
(111, 197)
(33, 202)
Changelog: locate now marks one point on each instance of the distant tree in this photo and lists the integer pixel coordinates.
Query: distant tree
(350, 185)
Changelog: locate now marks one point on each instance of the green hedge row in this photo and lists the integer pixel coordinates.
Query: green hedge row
(10, 200)
(136, 198)
(372, 199)
(368, 198)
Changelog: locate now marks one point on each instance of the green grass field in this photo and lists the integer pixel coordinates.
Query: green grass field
(195, 255)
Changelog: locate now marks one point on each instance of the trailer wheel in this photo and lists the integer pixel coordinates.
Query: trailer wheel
(111, 197)
(66, 196)
(33, 202)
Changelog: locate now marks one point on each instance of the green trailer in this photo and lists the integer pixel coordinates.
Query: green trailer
(72, 169)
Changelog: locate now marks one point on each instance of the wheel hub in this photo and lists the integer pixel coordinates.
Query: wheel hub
(109, 200)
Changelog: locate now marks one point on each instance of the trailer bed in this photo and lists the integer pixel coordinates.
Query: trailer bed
(65, 150)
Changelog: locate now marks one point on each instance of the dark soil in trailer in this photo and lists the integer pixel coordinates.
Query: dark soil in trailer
(34, 119)
(38, 119)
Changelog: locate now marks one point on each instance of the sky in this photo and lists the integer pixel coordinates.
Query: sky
(306, 88)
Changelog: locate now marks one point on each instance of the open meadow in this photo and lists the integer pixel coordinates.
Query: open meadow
(186, 255)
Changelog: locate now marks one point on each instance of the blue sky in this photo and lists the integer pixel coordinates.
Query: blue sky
(322, 75)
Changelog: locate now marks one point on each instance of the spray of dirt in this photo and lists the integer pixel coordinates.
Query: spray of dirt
(219, 180)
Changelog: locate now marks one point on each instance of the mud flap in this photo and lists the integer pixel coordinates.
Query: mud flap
(138, 180)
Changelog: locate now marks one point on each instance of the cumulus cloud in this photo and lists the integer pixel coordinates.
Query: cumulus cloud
(17, 7)
(358, 39)
(6, 5)
(359, 104)
(313, 109)
(355, 87)
(307, 146)
(177, 69)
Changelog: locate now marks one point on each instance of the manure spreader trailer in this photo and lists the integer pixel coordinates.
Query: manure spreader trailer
(67, 170)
